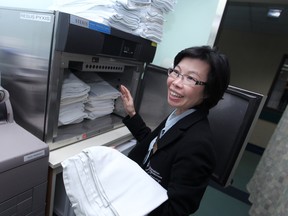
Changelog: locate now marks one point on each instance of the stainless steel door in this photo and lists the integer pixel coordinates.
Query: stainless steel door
(25, 46)
(152, 97)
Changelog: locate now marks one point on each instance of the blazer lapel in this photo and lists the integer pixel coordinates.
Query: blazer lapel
(179, 128)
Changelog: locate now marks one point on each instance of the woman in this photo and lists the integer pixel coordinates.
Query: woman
(179, 153)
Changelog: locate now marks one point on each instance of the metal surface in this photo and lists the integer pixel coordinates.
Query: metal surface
(129, 75)
(232, 121)
(6, 112)
(154, 96)
(23, 171)
(216, 22)
(43, 46)
(24, 64)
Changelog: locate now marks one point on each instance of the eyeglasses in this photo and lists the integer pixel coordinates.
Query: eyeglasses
(186, 79)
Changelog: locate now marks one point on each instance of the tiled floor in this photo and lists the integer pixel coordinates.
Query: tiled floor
(233, 201)
(216, 203)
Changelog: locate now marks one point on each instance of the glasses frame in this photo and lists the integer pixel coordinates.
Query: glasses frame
(197, 82)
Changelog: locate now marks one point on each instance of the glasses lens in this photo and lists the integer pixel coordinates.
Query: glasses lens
(170, 70)
(186, 79)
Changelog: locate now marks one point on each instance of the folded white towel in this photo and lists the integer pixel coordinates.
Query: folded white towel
(72, 117)
(103, 89)
(99, 102)
(72, 100)
(69, 107)
(103, 181)
(126, 15)
(73, 87)
(98, 113)
(100, 108)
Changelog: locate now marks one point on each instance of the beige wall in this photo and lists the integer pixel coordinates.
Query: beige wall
(254, 62)
(192, 23)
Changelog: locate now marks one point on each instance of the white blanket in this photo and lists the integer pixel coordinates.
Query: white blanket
(103, 181)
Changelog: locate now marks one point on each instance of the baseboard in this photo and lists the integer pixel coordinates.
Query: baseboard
(255, 149)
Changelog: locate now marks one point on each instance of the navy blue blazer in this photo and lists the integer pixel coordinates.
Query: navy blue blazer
(183, 162)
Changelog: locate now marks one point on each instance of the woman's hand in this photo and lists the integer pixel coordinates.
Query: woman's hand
(127, 100)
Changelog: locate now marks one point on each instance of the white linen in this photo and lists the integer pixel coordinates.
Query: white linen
(71, 114)
(101, 99)
(73, 87)
(99, 105)
(142, 18)
(102, 181)
(103, 90)
(74, 94)
(98, 113)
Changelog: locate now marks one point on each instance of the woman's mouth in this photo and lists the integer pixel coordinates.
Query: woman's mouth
(174, 94)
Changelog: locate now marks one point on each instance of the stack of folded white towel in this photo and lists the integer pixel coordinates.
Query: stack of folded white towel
(95, 10)
(73, 96)
(143, 18)
(101, 99)
(80, 100)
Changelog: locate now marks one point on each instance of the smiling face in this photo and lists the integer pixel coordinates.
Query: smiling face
(183, 97)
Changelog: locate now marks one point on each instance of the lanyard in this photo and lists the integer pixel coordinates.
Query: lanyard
(151, 152)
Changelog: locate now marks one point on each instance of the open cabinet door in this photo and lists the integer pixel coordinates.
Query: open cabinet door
(152, 96)
(232, 120)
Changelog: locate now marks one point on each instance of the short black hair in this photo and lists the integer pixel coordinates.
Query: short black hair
(218, 76)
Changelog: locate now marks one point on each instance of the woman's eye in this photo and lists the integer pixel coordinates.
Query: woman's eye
(176, 73)
(190, 78)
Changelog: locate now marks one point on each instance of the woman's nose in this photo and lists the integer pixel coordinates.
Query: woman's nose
(178, 81)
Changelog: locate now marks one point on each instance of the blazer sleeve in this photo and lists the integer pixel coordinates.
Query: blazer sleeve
(137, 127)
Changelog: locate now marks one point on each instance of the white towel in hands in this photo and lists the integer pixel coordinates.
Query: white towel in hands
(102, 181)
